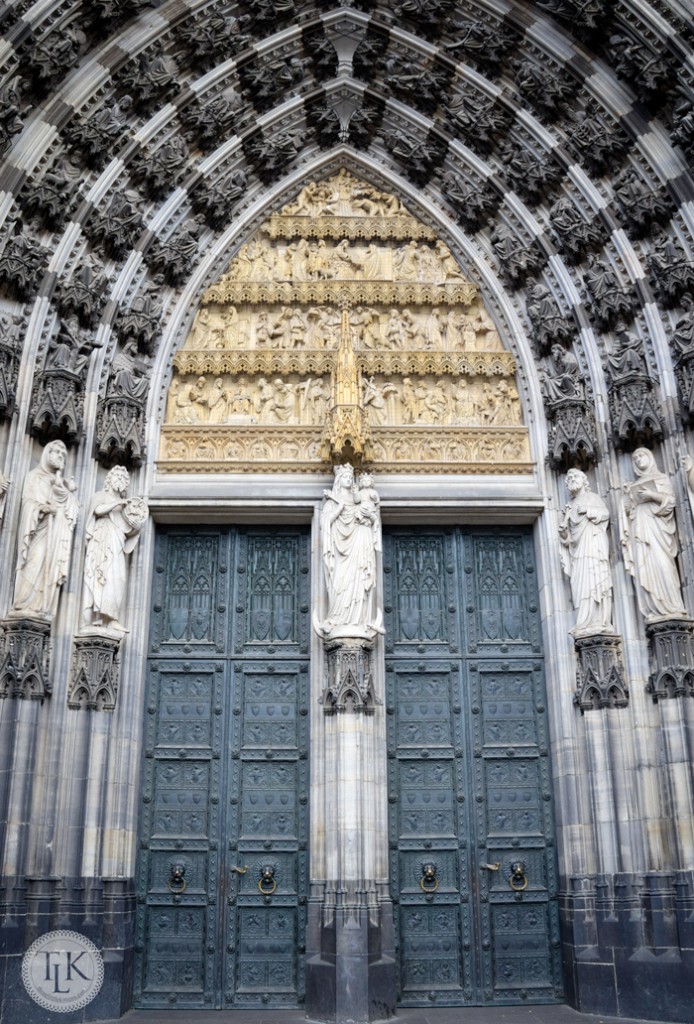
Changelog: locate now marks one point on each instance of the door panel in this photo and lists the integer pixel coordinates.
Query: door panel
(226, 774)
(468, 773)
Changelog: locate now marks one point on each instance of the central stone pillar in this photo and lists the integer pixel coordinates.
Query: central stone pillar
(350, 965)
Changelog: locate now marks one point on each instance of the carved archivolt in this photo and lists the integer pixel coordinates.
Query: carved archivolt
(343, 277)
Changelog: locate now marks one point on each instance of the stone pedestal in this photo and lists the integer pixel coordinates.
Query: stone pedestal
(600, 677)
(671, 645)
(95, 672)
(349, 675)
(24, 659)
(350, 955)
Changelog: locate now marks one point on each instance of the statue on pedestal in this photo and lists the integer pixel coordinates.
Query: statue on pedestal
(113, 530)
(350, 539)
(46, 524)
(585, 554)
(649, 538)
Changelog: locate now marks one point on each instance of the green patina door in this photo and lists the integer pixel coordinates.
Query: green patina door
(471, 835)
(223, 861)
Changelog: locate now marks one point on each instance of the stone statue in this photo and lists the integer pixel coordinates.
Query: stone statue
(585, 555)
(626, 356)
(113, 530)
(46, 523)
(649, 539)
(4, 487)
(563, 379)
(350, 539)
(683, 335)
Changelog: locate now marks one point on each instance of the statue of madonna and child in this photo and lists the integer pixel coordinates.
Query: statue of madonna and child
(350, 527)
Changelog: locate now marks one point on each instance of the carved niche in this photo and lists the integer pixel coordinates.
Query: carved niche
(343, 292)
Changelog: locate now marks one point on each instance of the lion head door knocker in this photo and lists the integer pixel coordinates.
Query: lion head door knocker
(177, 882)
(429, 883)
(267, 882)
(518, 880)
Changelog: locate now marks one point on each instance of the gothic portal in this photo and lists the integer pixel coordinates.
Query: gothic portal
(346, 505)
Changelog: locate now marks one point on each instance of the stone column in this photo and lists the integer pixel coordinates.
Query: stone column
(350, 965)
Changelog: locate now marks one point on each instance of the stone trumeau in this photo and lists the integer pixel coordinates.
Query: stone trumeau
(379, 695)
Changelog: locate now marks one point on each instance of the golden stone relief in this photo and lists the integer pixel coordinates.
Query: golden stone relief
(344, 330)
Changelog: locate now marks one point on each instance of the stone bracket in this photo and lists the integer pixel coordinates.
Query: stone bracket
(348, 676)
(600, 675)
(671, 646)
(95, 673)
(24, 659)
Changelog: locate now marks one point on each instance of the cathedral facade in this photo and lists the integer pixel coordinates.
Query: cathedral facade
(347, 506)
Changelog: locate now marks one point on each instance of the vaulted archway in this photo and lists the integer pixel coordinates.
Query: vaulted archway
(549, 146)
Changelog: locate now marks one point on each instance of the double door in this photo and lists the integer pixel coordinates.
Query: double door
(471, 837)
(222, 875)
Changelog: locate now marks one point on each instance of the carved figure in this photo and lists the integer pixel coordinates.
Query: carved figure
(71, 349)
(507, 405)
(639, 202)
(585, 555)
(565, 380)
(350, 540)
(47, 520)
(113, 529)
(516, 256)
(683, 336)
(21, 262)
(129, 375)
(549, 323)
(4, 486)
(608, 298)
(216, 401)
(473, 205)
(400, 329)
(188, 401)
(672, 270)
(627, 355)
(374, 400)
(315, 395)
(649, 539)
(10, 119)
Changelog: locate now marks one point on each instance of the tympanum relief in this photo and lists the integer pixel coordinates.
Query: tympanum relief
(256, 382)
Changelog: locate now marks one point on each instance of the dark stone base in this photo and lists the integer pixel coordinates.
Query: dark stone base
(350, 964)
(103, 910)
(628, 945)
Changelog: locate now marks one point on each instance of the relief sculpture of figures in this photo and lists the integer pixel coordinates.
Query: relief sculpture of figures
(649, 539)
(47, 521)
(585, 554)
(113, 530)
(350, 539)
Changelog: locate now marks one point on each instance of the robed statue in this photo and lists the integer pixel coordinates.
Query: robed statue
(46, 524)
(113, 530)
(585, 555)
(350, 540)
(649, 538)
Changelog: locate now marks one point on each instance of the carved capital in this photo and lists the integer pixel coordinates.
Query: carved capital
(120, 435)
(348, 676)
(572, 436)
(58, 406)
(600, 676)
(671, 646)
(24, 659)
(95, 672)
(635, 413)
